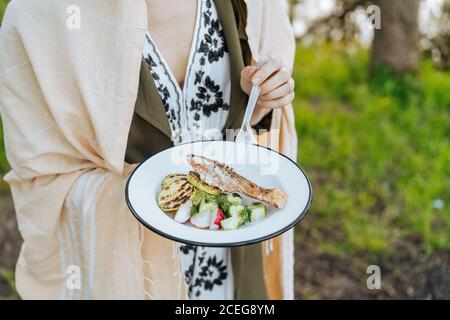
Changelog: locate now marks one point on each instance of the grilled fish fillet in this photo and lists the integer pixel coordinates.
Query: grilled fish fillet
(223, 177)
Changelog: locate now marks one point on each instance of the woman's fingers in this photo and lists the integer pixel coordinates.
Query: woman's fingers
(277, 86)
(246, 78)
(277, 93)
(277, 103)
(277, 80)
(266, 70)
(248, 72)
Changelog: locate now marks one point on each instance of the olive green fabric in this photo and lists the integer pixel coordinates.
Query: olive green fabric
(247, 261)
(150, 133)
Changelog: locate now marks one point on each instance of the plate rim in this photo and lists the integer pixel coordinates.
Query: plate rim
(218, 245)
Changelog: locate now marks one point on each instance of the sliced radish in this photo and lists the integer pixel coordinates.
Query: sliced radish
(216, 218)
(201, 219)
(184, 212)
(214, 227)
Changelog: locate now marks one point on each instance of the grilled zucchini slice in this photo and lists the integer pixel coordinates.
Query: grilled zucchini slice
(173, 195)
(194, 179)
(171, 178)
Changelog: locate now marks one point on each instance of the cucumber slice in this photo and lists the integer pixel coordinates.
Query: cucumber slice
(235, 210)
(210, 206)
(234, 199)
(231, 223)
(197, 196)
(257, 212)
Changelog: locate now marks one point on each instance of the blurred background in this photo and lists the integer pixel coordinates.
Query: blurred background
(373, 118)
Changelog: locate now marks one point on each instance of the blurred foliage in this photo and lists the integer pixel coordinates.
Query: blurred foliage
(376, 149)
(3, 162)
(438, 46)
(8, 277)
(340, 25)
(4, 167)
(3, 4)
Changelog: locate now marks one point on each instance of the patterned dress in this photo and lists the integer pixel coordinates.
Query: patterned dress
(195, 112)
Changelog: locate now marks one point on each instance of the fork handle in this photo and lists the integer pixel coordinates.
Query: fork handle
(250, 107)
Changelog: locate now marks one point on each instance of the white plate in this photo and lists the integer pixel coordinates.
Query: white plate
(262, 166)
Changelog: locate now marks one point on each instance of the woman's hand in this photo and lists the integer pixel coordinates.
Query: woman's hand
(276, 83)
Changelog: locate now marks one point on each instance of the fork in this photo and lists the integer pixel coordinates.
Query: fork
(245, 134)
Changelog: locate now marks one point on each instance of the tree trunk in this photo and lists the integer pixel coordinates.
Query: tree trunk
(292, 5)
(396, 44)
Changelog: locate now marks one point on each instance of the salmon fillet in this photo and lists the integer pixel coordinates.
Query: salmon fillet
(228, 181)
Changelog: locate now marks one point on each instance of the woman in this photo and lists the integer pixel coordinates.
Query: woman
(134, 79)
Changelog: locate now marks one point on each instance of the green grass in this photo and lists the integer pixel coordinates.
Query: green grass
(376, 149)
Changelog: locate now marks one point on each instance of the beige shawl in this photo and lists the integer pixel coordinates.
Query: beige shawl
(67, 98)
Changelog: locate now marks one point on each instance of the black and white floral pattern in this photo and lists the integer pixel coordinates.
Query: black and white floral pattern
(213, 46)
(207, 272)
(200, 106)
(209, 98)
